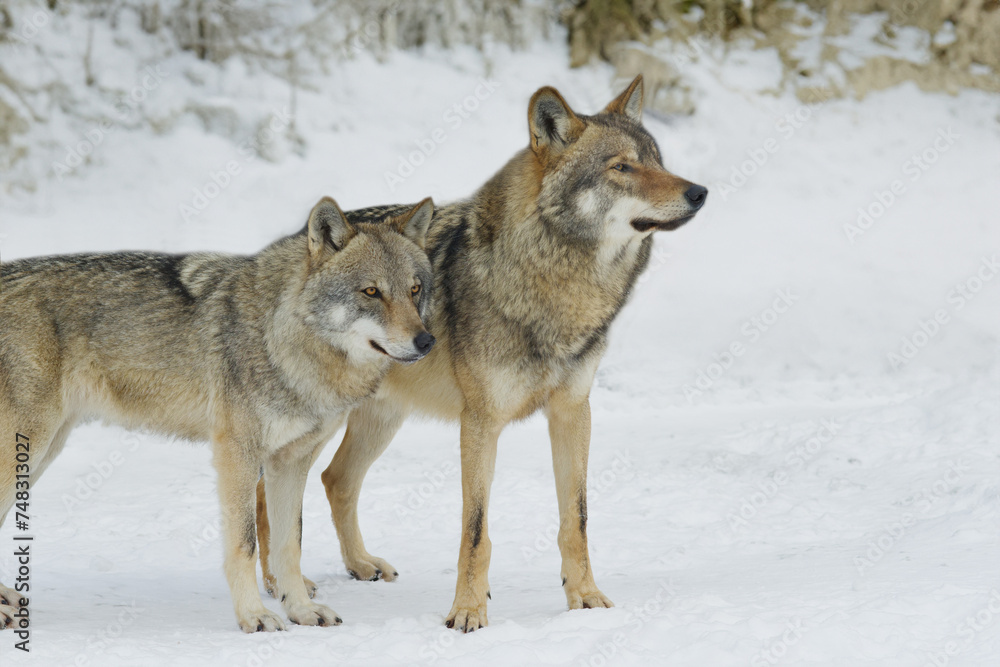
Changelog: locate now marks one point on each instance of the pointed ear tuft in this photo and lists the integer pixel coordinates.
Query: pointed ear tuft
(552, 123)
(414, 223)
(328, 228)
(629, 103)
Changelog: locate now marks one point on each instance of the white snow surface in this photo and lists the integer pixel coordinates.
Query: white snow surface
(810, 500)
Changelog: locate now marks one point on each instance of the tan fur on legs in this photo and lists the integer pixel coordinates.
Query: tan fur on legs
(480, 431)
(370, 429)
(42, 436)
(264, 539)
(10, 599)
(238, 473)
(285, 481)
(264, 544)
(569, 430)
(40, 456)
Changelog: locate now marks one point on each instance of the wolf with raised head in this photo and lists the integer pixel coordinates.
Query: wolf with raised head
(529, 274)
(262, 355)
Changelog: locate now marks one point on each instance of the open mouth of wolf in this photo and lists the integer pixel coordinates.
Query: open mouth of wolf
(402, 360)
(645, 224)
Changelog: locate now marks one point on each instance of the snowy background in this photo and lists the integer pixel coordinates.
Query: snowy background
(795, 443)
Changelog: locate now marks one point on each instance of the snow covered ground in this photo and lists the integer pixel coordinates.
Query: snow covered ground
(795, 443)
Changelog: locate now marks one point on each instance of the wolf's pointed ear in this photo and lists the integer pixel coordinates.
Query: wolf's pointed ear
(629, 102)
(552, 123)
(328, 228)
(414, 223)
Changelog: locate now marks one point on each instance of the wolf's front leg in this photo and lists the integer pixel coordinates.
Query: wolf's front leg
(285, 483)
(569, 430)
(479, 454)
(264, 547)
(238, 471)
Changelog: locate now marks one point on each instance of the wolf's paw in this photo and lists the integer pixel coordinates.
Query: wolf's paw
(591, 599)
(467, 620)
(10, 602)
(261, 620)
(9, 597)
(7, 616)
(271, 586)
(313, 614)
(371, 568)
(311, 587)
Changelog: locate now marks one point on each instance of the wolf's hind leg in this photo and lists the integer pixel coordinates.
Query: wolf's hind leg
(28, 447)
(370, 429)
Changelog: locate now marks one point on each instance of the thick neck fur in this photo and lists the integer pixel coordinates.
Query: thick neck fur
(313, 368)
(564, 289)
(519, 216)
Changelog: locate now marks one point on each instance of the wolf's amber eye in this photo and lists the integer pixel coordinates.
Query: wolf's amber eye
(621, 166)
(372, 292)
(415, 290)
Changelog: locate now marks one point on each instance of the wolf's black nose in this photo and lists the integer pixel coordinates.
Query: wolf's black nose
(423, 342)
(696, 195)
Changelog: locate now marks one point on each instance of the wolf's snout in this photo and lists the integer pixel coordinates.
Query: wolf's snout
(696, 196)
(424, 342)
